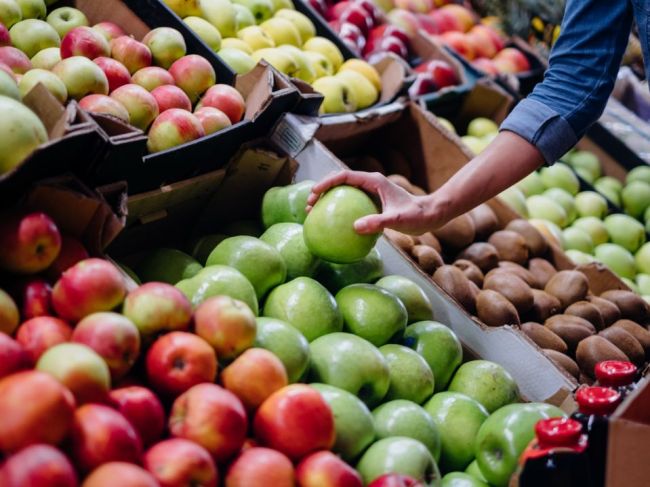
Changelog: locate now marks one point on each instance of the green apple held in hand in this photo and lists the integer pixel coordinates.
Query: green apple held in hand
(287, 239)
(411, 377)
(625, 231)
(206, 31)
(287, 343)
(337, 276)
(412, 296)
(220, 13)
(32, 36)
(167, 265)
(486, 382)
(618, 259)
(286, 203)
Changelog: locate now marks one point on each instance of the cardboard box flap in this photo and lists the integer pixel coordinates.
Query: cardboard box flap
(485, 99)
(120, 13)
(258, 87)
(393, 71)
(54, 116)
(293, 132)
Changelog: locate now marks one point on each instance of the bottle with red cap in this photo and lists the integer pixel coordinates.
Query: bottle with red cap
(557, 457)
(617, 374)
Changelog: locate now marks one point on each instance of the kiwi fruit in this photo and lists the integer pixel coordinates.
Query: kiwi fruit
(430, 240)
(564, 362)
(595, 349)
(571, 329)
(535, 241)
(510, 246)
(367, 164)
(520, 271)
(402, 182)
(568, 287)
(483, 254)
(586, 310)
(637, 331)
(474, 290)
(471, 270)
(452, 280)
(399, 239)
(626, 342)
(608, 310)
(485, 220)
(513, 288)
(542, 269)
(584, 380)
(544, 306)
(456, 233)
(544, 337)
(495, 310)
(631, 305)
(427, 258)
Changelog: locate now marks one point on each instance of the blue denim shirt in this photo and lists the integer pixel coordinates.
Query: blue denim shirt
(581, 74)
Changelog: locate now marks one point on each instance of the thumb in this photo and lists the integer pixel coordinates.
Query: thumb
(372, 223)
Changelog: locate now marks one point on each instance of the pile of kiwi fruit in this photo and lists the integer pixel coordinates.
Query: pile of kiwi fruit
(502, 276)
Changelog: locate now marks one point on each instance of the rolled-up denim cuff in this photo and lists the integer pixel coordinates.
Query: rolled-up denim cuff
(543, 127)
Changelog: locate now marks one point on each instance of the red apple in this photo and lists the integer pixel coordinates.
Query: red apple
(385, 45)
(105, 105)
(227, 99)
(487, 40)
(194, 75)
(133, 54)
(415, 6)
(38, 466)
(115, 72)
(140, 104)
(41, 333)
(72, 251)
(446, 21)
(395, 480)
(389, 30)
(334, 12)
(212, 417)
(172, 128)
(319, 6)
(101, 434)
(109, 30)
(464, 16)
(356, 15)
(84, 41)
(486, 65)
(16, 59)
(295, 420)
(166, 44)
(35, 408)
(212, 119)
(143, 410)
(178, 462)
(152, 77)
(13, 356)
(171, 96)
(113, 336)
(227, 324)
(351, 33)
(371, 8)
(5, 37)
(442, 72)
(29, 242)
(260, 466)
(155, 307)
(178, 361)
(120, 474)
(87, 287)
(9, 317)
(324, 469)
(514, 56)
(405, 20)
(458, 41)
(428, 24)
(423, 84)
(36, 299)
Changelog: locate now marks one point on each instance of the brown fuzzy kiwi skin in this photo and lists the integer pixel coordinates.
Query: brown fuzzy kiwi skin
(417, 190)
(564, 362)
(544, 337)
(520, 271)
(586, 310)
(542, 269)
(427, 258)
(452, 280)
(485, 220)
(401, 181)
(595, 349)
(430, 240)
(637, 331)
(535, 241)
(568, 287)
(457, 233)
(571, 329)
(632, 306)
(474, 289)
(470, 270)
(495, 310)
(510, 245)
(608, 310)
(584, 380)
(544, 306)
(626, 342)
(400, 240)
(513, 289)
(483, 254)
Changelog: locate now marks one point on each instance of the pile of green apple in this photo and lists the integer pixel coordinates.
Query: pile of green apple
(242, 32)
(480, 132)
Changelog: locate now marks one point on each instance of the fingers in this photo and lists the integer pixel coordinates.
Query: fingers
(372, 223)
(367, 181)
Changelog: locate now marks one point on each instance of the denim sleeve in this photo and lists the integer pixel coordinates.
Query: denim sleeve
(581, 75)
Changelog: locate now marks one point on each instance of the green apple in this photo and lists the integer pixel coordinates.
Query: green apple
(252, 228)
(327, 48)
(338, 97)
(474, 470)
(307, 305)
(515, 199)
(642, 282)
(631, 284)
(329, 227)
(417, 303)
(64, 19)
(262, 265)
(47, 58)
(636, 198)
(618, 259)
(216, 280)
(406, 418)
(559, 175)
(594, 227)
(81, 77)
(439, 347)
(282, 31)
(549, 229)
(221, 14)
(585, 174)
(351, 363)
(640, 173)
(256, 38)
(26, 129)
(577, 239)
(586, 161)
(286, 343)
(411, 377)
(322, 66)
(642, 259)
(32, 9)
(184, 8)
(244, 16)
(8, 86)
(474, 144)
(481, 126)
(33, 35)
(337, 276)
(578, 257)
(625, 231)
(239, 61)
(447, 124)
(610, 188)
(590, 203)
(401, 455)
(236, 43)
(286, 203)
(304, 25)
(203, 246)
(261, 9)
(461, 479)
(458, 418)
(503, 437)
(206, 31)
(167, 265)
(543, 208)
(364, 91)
(486, 382)
(287, 239)
(564, 199)
(371, 312)
(49, 80)
(531, 184)
(354, 424)
(305, 71)
(10, 13)
(282, 5)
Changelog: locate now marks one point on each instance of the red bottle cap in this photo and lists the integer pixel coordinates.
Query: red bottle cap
(556, 432)
(615, 373)
(599, 401)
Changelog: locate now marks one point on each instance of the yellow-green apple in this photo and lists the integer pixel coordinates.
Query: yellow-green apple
(156, 307)
(211, 416)
(36, 296)
(29, 242)
(177, 462)
(133, 54)
(172, 128)
(84, 41)
(324, 469)
(9, 316)
(353, 422)
(81, 77)
(278, 422)
(287, 239)
(41, 333)
(46, 58)
(327, 48)
(617, 258)
(261, 9)
(89, 286)
(167, 265)
(411, 377)
(206, 31)
(254, 376)
(100, 435)
(152, 77)
(194, 75)
(115, 72)
(364, 92)
(48, 79)
(244, 16)
(486, 382)
(171, 96)
(16, 59)
(304, 25)
(625, 231)
(590, 203)
(221, 14)
(32, 9)
(351, 363)
(636, 198)
(321, 64)
(104, 104)
(13, 356)
(412, 296)
(365, 69)
(142, 409)
(10, 13)
(121, 473)
(227, 99)
(110, 30)
(183, 8)
(395, 480)
(286, 343)
(32, 35)
(38, 465)
(260, 466)
(166, 45)
(47, 420)
(28, 132)
(140, 104)
(236, 43)
(72, 251)
(282, 31)
(305, 69)
(256, 38)
(64, 19)
(280, 59)
(212, 119)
